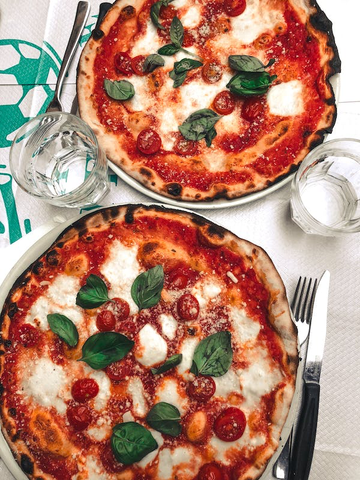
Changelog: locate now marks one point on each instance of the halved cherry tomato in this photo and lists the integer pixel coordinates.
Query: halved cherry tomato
(230, 424)
(177, 280)
(201, 389)
(137, 64)
(122, 62)
(211, 72)
(79, 417)
(28, 335)
(212, 471)
(84, 389)
(105, 321)
(252, 108)
(188, 307)
(117, 371)
(233, 8)
(224, 103)
(185, 147)
(121, 309)
(148, 141)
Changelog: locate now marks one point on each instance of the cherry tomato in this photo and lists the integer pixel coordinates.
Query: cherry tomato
(79, 417)
(252, 108)
(224, 103)
(123, 63)
(233, 8)
(137, 64)
(201, 389)
(109, 461)
(117, 371)
(185, 147)
(121, 309)
(188, 307)
(84, 389)
(211, 72)
(230, 424)
(148, 141)
(105, 321)
(28, 335)
(211, 471)
(177, 280)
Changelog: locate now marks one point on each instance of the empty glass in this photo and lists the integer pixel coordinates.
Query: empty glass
(56, 157)
(325, 192)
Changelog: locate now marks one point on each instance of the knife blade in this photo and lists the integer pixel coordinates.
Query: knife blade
(304, 439)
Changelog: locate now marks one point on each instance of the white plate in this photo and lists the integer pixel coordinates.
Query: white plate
(219, 203)
(32, 247)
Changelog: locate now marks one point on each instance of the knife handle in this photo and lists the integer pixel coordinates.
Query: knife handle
(304, 440)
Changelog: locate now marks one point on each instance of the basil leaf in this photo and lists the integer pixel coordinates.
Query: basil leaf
(154, 14)
(152, 62)
(130, 442)
(176, 32)
(104, 348)
(170, 363)
(213, 355)
(210, 136)
(168, 50)
(250, 83)
(147, 287)
(93, 294)
(247, 63)
(178, 78)
(185, 65)
(165, 418)
(119, 90)
(199, 124)
(64, 328)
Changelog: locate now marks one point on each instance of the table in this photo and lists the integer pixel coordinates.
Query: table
(265, 222)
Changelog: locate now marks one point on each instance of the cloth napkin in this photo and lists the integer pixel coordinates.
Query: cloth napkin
(265, 222)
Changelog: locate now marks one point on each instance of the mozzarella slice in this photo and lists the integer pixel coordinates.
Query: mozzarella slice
(286, 99)
(136, 390)
(246, 329)
(168, 391)
(168, 325)
(152, 348)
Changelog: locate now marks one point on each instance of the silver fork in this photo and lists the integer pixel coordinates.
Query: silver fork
(301, 307)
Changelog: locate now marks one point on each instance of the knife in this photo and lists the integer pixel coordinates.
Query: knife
(304, 440)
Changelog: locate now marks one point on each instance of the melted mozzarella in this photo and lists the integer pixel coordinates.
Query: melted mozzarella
(168, 459)
(100, 377)
(187, 350)
(286, 99)
(245, 328)
(94, 469)
(152, 348)
(63, 290)
(136, 390)
(99, 433)
(48, 384)
(205, 291)
(120, 270)
(142, 44)
(226, 384)
(168, 325)
(168, 391)
(152, 455)
(192, 17)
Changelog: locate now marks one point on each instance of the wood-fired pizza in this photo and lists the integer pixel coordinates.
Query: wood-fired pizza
(146, 344)
(207, 99)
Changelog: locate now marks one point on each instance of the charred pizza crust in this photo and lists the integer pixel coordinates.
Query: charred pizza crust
(42, 436)
(242, 159)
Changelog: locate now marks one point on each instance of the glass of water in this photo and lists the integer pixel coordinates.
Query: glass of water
(56, 157)
(325, 192)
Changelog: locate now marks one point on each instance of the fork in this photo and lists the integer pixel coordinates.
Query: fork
(301, 307)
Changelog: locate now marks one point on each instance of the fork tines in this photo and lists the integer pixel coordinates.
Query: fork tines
(301, 306)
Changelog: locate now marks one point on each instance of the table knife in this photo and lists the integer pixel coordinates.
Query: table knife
(304, 439)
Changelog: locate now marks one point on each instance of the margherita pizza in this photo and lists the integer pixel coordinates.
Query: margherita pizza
(206, 99)
(146, 344)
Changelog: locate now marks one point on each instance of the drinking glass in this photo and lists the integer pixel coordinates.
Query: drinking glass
(325, 192)
(56, 157)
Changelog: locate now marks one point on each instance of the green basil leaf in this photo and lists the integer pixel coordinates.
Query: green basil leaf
(178, 79)
(250, 83)
(165, 418)
(154, 14)
(185, 65)
(168, 50)
(152, 62)
(199, 124)
(64, 328)
(210, 136)
(170, 363)
(213, 355)
(147, 287)
(104, 348)
(119, 90)
(176, 32)
(130, 442)
(93, 294)
(246, 63)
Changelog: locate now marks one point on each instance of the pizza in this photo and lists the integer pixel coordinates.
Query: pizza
(200, 100)
(146, 343)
